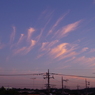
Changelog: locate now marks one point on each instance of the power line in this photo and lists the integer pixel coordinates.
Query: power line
(20, 74)
(44, 74)
(73, 75)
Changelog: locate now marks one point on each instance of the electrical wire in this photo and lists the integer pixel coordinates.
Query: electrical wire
(73, 75)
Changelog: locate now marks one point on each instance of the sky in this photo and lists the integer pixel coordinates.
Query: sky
(37, 35)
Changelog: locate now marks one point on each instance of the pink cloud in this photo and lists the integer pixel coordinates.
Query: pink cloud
(62, 51)
(42, 30)
(43, 47)
(56, 24)
(12, 36)
(19, 50)
(20, 39)
(92, 50)
(67, 55)
(32, 44)
(66, 29)
(48, 45)
(52, 43)
(63, 67)
(89, 61)
(25, 50)
(39, 56)
(30, 32)
(59, 50)
(39, 36)
(85, 49)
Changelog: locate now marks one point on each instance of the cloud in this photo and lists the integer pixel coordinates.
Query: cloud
(63, 67)
(19, 50)
(68, 55)
(30, 32)
(59, 50)
(52, 43)
(48, 45)
(62, 51)
(85, 49)
(55, 25)
(33, 42)
(88, 61)
(25, 50)
(14, 45)
(20, 39)
(43, 47)
(39, 56)
(39, 36)
(42, 30)
(92, 50)
(12, 36)
(66, 29)
(56, 50)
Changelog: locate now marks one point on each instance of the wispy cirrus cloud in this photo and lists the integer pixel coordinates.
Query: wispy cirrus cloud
(48, 45)
(56, 24)
(17, 51)
(59, 50)
(39, 56)
(19, 47)
(43, 47)
(63, 50)
(85, 49)
(50, 48)
(42, 30)
(12, 36)
(32, 44)
(20, 39)
(26, 49)
(66, 29)
(88, 61)
(92, 50)
(69, 54)
(30, 32)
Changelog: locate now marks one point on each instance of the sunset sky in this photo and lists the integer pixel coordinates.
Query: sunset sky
(37, 35)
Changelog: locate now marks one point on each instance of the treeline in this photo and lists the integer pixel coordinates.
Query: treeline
(55, 91)
(4, 91)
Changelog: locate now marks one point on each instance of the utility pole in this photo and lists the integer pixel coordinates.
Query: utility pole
(86, 84)
(48, 76)
(48, 81)
(63, 83)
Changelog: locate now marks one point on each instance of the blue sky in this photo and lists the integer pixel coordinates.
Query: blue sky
(37, 35)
